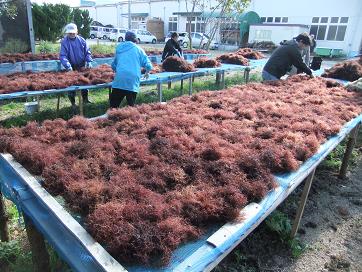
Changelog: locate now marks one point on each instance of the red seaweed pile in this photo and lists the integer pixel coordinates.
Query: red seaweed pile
(156, 68)
(176, 64)
(54, 80)
(195, 51)
(149, 178)
(153, 52)
(233, 58)
(20, 57)
(249, 53)
(205, 62)
(347, 70)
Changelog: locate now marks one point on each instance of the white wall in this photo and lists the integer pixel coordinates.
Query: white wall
(302, 12)
(298, 12)
(274, 33)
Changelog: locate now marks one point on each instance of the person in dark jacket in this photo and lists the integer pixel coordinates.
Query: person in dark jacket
(172, 47)
(285, 56)
(75, 55)
(313, 43)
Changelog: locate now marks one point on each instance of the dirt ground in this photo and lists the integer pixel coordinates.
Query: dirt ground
(331, 230)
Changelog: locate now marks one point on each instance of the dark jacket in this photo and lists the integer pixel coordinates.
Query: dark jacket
(171, 48)
(283, 58)
(313, 45)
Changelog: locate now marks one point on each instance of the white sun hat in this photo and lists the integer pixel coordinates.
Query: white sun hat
(71, 29)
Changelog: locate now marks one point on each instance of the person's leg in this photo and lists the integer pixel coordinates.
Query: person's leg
(268, 77)
(116, 97)
(85, 97)
(131, 98)
(71, 96)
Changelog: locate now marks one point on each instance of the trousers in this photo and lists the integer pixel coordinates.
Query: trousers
(117, 95)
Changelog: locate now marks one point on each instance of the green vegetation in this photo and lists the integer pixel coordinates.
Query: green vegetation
(279, 223)
(45, 47)
(12, 113)
(103, 48)
(14, 46)
(49, 20)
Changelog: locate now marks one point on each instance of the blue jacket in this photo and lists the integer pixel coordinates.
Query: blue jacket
(127, 63)
(74, 52)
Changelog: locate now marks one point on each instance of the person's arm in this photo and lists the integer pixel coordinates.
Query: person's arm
(114, 62)
(297, 61)
(175, 48)
(178, 47)
(87, 53)
(307, 56)
(145, 63)
(63, 56)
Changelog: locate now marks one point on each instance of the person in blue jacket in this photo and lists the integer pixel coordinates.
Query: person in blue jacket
(75, 55)
(128, 61)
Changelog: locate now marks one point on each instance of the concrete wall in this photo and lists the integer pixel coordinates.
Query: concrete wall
(274, 33)
(298, 12)
(302, 12)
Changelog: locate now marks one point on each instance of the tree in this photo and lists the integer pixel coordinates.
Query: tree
(87, 21)
(217, 12)
(49, 20)
(83, 21)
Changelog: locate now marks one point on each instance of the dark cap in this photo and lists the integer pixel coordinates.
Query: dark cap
(130, 36)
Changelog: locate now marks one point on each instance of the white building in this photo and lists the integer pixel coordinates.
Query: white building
(336, 24)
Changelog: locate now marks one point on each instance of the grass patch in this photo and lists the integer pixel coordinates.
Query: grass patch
(13, 114)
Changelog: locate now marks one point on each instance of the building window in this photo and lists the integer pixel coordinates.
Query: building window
(285, 20)
(315, 20)
(341, 32)
(172, 23)
(270, 19)
(263, 35)
(197, 24)
(263, 19)
(277, 19)
(344, 20)
(334, 20)
(324, 20)
(336, 32)
(319, 31)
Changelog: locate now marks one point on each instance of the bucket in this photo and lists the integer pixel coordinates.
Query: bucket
(31, 107)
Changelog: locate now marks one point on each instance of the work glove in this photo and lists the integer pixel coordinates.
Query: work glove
(69, 69)
(88, 65)
(146, 75)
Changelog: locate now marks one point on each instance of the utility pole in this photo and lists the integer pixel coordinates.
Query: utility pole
(129, 14)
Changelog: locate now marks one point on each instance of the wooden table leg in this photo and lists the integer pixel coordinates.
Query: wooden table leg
(223, 80)
(159, 89)
(190, 85)
(80, 97)
(58, 105)
(39, 252)
(347, 154)
(182, 86)
(303, 200)
(4, 231)
(218, 79)
(246, 75)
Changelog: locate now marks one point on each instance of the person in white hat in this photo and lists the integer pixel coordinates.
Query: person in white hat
(75, 55)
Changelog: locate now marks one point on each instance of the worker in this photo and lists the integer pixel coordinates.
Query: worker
(313, 44)
(286, 55)
(305, 52)
(128, 61)
(74, 56)
(172, 47)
